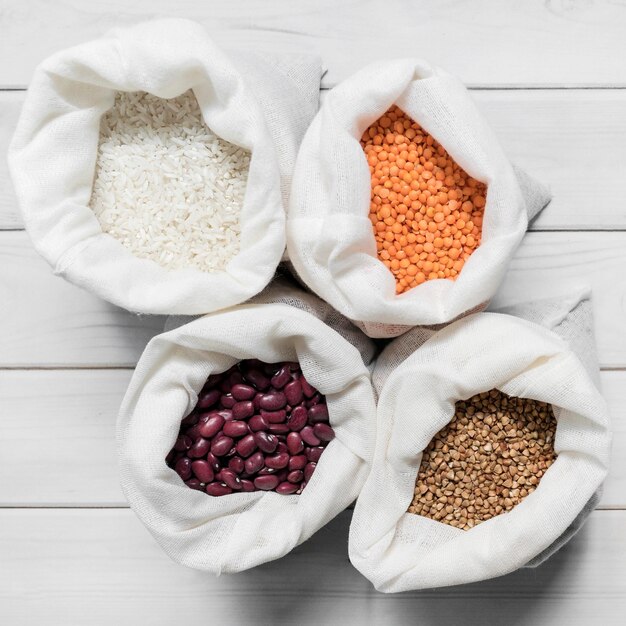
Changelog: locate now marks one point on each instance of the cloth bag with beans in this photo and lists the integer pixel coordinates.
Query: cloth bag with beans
(256, 102)
(418, 378)
(330, 239)
(230, 533)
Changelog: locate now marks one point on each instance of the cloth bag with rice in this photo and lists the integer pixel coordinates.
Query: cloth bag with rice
(259, 105)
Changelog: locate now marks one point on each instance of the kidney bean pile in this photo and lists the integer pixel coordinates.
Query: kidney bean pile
(257, 426)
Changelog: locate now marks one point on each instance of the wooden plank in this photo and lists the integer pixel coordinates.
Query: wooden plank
(48, 322)
(101, 567)
(489, 42)
(549, 264)
(57, 437)
(10, 105)
(65, 432)
(573, 140)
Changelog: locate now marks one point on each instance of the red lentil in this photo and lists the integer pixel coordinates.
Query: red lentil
(426, 212)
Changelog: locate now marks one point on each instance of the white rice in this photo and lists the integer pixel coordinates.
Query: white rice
(166, 186)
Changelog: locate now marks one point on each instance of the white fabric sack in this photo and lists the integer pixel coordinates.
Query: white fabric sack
(399, 551)
(282, 291)
(329, 235)
(261, 104)
(235, 532)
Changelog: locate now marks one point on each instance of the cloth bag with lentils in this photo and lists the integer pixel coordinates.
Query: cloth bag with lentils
(244, 529)
(329, 234)
(259, 103)
(549, 357)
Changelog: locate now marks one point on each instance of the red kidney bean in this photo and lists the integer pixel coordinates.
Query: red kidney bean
(231, 479)
(190, 420)
(227, 401)
(298, 418)
(273, 401)
(294, 443)
(318, 413)
(274, 417)
(309, 437)
(194, 431)
(199, 448)
(203, 471)
(308, 471)
(297, 462)
(278, 429)
(314, 454)
(213, 380)
(286, 488)
(243, 392)
(295, 477)
(324, 432)
(281, 378)
(236, 429)
(212, 426)
(183, 468)
(267, 414)
(278, 461)
(266, 442)
(307, 390)
(293, 392)
(194, 483)
(256, 378)
(236, 464)
(218, 489)
(247, 485)
(267, 471)
(183, 443)
(316, 399)
(257, 401)
(257, 423)
(208, 398)
(246, 446)
(235, 379)
(227, 414)
(242, 410)
(221, 445)
(213, 462)
(254, 463)
(271, 368)
(266, 483)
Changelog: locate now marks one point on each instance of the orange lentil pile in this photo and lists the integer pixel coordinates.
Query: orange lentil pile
(426, 211)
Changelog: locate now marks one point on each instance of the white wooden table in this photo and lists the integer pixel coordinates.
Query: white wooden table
(551, 78)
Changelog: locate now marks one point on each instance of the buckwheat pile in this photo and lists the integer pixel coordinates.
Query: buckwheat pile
(486, 460)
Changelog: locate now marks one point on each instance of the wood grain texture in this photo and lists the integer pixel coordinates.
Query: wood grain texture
(551, 264)
(573, 140)
(66, 430)
(10, 105)
(57, 437)
(48, 322)
(102, 567)
(485, 42)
